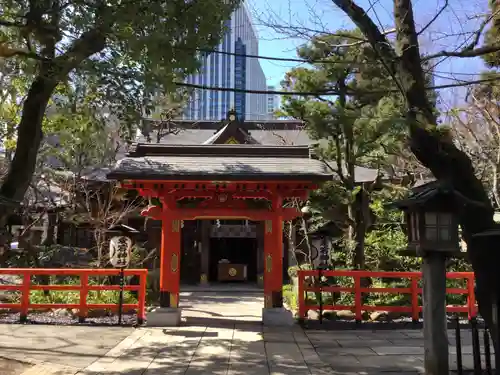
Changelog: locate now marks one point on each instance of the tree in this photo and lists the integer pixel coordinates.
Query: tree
(435, 149)
(130, 49)
(350, 130)
(477, 130)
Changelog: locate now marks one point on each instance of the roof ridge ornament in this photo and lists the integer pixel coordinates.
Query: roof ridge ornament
(232, 115)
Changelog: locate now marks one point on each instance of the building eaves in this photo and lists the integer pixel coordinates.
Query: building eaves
(206, 167)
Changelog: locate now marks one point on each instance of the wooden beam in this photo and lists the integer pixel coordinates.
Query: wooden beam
(219, 213)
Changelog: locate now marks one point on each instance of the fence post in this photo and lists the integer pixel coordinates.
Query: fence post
(471, 297)
(141, 298)
(25, 296)
(357, 298)
(301, 298)
(476, 348)
(82, 309)
(414, 299)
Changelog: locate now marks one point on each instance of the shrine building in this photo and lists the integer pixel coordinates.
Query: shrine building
(222, 201)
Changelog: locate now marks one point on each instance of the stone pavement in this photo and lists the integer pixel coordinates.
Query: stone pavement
(224, 348)
(218, 336)
(74, 346)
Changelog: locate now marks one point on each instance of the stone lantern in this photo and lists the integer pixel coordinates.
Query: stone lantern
(432, 229)
(430, 218)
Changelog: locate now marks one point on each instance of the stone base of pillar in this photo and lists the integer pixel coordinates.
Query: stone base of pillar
(277, 316)
(164, 317)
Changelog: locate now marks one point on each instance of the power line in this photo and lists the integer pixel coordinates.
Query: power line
(272, 58)
(326, 92)
(298, 60)
(311, 61)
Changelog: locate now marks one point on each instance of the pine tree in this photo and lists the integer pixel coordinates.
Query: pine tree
(354, 128)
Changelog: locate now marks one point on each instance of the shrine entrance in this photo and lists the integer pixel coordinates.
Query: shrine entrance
(233, 260)
(229, 182)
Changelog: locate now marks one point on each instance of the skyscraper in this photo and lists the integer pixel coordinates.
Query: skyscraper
(230, 69)
(273, 103)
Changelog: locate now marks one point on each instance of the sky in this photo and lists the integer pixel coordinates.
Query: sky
(449, 32)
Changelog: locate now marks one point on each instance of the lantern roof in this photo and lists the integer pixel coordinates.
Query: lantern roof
(494, 232)
(433, 192)
(123, 229)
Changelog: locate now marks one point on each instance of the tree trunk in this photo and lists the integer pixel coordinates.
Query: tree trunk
(29, 138)
(29, 132)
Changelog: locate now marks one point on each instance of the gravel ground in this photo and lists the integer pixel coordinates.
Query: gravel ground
(54, 319)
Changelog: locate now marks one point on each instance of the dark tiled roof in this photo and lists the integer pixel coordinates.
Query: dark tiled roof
(226, 162)
(231, 130)
(434, 191)
(199, 132)
(188, 134)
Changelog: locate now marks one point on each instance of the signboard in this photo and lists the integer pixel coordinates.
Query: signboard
(119, 251)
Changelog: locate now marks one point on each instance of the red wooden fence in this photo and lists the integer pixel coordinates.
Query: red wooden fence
(27, 286)
(358, 307)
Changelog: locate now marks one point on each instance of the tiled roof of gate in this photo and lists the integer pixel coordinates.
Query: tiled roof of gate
(241, 162)
(198, 132)
(225, 162)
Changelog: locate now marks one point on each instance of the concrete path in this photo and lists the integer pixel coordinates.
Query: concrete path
(201, 308)
(218, 336)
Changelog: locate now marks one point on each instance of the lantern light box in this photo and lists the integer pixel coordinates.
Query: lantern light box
(430, 216)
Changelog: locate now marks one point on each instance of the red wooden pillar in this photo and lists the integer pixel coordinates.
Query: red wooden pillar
(170, 262)
(273, 262)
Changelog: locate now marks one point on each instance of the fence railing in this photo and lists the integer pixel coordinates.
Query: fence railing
(26, 286)
(307, 278)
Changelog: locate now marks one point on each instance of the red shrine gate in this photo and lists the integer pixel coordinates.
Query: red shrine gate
(221, 182)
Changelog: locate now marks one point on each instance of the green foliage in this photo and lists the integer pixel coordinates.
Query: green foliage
(70, 297)
(355, 129)
(85, 136)
(289, 296)
(129, 53)
(382, 245)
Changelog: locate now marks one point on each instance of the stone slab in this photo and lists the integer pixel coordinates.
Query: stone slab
(164, 317)
(75, 346)
(277, 317)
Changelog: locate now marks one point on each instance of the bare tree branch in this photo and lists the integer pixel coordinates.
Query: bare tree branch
(465, 53)
(436, 16)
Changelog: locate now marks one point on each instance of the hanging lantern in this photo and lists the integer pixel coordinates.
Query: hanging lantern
(120, 244)
(120, 249)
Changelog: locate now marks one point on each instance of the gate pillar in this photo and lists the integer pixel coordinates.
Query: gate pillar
(169, 313)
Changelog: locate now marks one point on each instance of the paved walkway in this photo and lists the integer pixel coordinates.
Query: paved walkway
(218, 337)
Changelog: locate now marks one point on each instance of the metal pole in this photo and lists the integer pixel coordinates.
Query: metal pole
(487, 351)
(476, 348)
(120, 300)
(497, 333)
(458, 341)
(320, 296)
